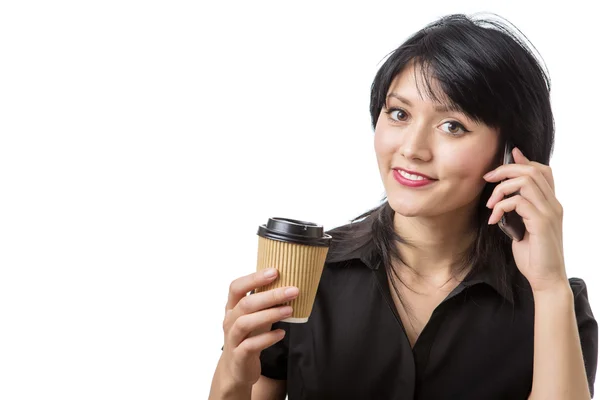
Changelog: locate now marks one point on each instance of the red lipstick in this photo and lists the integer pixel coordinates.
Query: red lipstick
(411, 182)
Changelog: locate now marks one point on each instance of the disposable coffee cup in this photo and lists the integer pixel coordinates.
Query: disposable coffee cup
(297, 249)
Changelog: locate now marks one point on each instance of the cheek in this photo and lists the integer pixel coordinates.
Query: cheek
(383, 141)
(379, 144)
(465, 166)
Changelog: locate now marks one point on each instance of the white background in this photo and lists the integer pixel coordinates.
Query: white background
(142, 143)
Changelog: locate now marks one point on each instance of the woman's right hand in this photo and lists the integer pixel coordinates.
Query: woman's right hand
(248, 322)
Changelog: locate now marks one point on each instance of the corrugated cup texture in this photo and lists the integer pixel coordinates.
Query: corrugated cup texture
(299, 265)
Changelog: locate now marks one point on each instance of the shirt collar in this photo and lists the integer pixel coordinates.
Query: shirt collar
(371, 257)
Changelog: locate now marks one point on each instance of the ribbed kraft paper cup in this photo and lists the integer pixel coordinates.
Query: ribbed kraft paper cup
(299, 265)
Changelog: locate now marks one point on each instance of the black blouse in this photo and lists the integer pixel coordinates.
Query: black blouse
(478, 343)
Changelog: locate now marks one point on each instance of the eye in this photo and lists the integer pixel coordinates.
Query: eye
(400, 114)
(455, 128)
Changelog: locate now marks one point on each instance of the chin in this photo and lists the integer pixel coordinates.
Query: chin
(406, 209)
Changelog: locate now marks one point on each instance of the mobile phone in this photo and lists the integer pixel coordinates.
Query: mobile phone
(511, 223)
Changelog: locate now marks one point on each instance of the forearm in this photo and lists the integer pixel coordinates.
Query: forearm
(222, 388)
(558, 368)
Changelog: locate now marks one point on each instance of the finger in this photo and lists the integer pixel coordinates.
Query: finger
(246, 324)
(263, 300)
(240, 287)
(509, 171)
(258, 343)
(534, 221)
(526, 188)
(260, 301)
(545, 169)
(519, 157)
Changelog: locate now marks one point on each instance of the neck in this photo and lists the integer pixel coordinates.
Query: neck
(435, 243)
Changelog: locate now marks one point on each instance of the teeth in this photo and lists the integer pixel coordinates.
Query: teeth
(411, 176)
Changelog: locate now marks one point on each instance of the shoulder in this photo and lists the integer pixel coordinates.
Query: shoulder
(587, 327)
(578, 287)
(583, 309)
(351, 241)
(351, 246)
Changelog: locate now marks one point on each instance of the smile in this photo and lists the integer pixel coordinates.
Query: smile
(411, 176)
(411, 180)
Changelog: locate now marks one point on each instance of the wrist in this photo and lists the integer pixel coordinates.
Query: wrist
(559, 290)
(233, 390)
(224, 387)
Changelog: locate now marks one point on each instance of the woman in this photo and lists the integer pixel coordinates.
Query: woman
(424, 297)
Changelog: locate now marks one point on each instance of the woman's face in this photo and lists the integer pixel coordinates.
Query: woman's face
(418, 137)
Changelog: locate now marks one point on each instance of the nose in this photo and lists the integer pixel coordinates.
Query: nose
(415, 143)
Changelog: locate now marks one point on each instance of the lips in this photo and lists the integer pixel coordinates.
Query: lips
(411, 182)
(414, 173)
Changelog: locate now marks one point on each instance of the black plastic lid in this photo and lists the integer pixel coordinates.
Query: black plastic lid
(294, 231)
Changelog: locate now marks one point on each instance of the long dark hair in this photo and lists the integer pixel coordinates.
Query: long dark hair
(488, 72)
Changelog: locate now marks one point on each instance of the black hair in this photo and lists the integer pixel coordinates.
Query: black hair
(488, 72)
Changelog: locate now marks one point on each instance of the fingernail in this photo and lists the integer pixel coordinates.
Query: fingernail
(270, 273)
(286, 310)
(291, 292)
(488, 175)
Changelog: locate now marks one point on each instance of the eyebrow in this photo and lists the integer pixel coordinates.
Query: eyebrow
(439, 108)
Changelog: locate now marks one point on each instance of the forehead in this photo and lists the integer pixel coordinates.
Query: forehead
(414, 86)
(417, 84)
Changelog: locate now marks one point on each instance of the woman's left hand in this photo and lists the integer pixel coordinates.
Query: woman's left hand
(539, 255)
